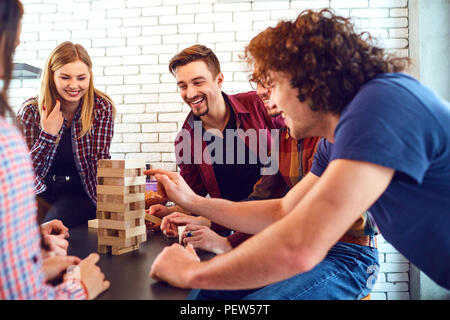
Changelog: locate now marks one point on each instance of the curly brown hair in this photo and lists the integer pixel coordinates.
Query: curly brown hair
(327, 61)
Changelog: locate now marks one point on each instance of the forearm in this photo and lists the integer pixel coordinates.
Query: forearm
(247, 217)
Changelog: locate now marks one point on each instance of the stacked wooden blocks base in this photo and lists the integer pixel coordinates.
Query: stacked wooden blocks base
(120, 205)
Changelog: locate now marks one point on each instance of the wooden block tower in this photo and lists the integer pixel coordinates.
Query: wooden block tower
(120, 205)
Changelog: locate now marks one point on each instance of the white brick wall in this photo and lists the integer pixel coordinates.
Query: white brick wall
(131, 42)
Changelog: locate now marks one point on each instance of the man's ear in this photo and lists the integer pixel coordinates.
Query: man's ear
(220, 79)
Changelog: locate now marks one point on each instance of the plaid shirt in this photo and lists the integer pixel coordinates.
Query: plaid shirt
(295, 161)
(21, 275)
(87, 149)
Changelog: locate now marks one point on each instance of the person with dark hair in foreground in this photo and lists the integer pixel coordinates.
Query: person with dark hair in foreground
(386, 151)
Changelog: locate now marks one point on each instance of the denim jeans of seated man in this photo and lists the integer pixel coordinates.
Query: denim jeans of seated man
(348, 272)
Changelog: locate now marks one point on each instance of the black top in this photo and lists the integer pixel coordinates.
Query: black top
(64, 162)
(236, 171)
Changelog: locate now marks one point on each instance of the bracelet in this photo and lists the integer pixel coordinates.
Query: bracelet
(85, 289)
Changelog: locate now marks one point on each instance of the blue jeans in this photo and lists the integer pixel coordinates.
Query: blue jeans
(348, 272)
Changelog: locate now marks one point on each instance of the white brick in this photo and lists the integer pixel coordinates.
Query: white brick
(140, 21)
(140, 79)
(398, 296)
(157, 147)
(398, 12)
(159, 127)
(195, 28)
(88, 14)
(395, 257)
(369, 13)
(130, 108)
(141, 98)
(121, 127)
(36, 27)
(139, 118)
(142, 3)
(124, 32)
(123, 89)
(394, 267)
(107, 61)
(125, 147)
(89, 34)
(349, 3)
(80, 26)
(214, 17)
(117, 156)
(398, 33)
(140, 137)
(41, 8)
(377, 296)
(388, 3)
(283, 15)
(194, 8)
(270, 5)
(37, 45)
(120, 13)
(159, 11)
(110, 4)
(176, 19)
(232, 7)
(394, 43)
(235, 26)
(251, 16)
(388, 286)
(216, 37)
(121, 70)
(111, 42)
(171, 117)
(389, 23)
(397, 277)
(140, 41)
(167, 137)
(308, 4)
(177, 38)
(164, 107)
(148, 157)
(155, 49)
(169, 97)
(104, 23)
(51, 17)
(123, 51)
(159, 87)
(162, 30)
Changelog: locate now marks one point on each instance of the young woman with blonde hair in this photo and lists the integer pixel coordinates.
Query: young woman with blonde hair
(68, 128)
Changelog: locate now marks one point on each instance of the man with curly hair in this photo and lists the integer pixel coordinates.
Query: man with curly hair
(386, 149)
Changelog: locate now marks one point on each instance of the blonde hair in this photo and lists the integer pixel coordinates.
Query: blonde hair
(64, 53)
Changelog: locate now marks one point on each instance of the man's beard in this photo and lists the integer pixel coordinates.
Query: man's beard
(194, 110)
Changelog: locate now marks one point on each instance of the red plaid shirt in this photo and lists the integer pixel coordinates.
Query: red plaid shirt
(87, 149)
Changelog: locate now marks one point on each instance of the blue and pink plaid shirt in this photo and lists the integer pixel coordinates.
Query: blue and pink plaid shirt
(21, 274)
(88, 149)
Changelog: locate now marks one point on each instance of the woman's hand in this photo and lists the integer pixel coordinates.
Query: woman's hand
(52, 123)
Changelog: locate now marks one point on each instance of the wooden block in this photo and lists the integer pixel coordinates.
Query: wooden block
(103, 249)
(119, 173)
(120, 198)
(127, 181)
(120, 207)
(180, 232)
(120, 225)
(119, 251)
(120, 164)
(152, 218)
(118, 242)
(93, 223)
(136, 231)
(121, 216)
(101, 189)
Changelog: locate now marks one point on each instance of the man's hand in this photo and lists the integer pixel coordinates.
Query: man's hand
(174, 265)
(57, 265)
(55, 227)
(175, 187)
(202, 237)
(170, 223)
(52, 123)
